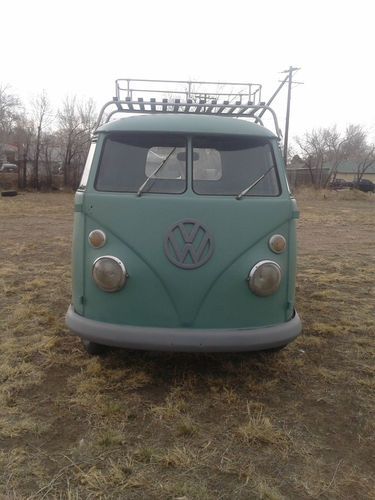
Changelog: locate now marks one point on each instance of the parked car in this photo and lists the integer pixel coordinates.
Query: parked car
(8, 167)
(339, 184)
(364, 185)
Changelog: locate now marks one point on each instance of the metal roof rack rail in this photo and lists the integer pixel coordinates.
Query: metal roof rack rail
(187, 97)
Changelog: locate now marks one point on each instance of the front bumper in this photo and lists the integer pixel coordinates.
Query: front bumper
(183, 339)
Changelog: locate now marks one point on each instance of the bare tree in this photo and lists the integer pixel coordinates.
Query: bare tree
(76, 121)
(335, 151)
(312, 147)
(69, 128)
(47, 151)
(40, 149)
(87, 113)
(365, 161)
(42, 118)
(23, 137)
(359, 151)
(324, 150)
(9, 109)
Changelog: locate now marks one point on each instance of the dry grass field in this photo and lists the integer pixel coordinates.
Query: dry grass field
(292, 425)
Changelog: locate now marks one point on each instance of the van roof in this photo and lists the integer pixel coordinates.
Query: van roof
(187, 124)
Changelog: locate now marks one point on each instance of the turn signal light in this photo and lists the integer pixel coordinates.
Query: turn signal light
(277, 243)
(97, 238)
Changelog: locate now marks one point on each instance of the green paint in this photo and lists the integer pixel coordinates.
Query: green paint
(159, 294)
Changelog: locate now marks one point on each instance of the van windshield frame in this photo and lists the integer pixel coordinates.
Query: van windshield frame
(209, 165)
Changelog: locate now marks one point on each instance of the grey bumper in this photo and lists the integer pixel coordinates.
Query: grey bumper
(183, 339)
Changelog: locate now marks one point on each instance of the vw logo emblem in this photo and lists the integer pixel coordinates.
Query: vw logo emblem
(188, 244)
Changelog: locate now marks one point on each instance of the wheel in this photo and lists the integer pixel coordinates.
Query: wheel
(275, 349)
(93, 348)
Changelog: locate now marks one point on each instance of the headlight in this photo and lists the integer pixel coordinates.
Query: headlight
(277, 243)
(109, 273)
(264, 278)
(97, 238)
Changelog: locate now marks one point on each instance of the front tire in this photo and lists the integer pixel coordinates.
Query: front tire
(93, 348)
(274, 349)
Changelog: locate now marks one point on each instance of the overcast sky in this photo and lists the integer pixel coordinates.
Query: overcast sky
(80, 47)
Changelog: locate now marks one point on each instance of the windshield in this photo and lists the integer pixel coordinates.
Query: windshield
(155, 163)
(229, 165)
(142, 163)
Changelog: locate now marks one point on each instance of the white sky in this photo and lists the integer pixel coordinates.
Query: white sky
(80, 47)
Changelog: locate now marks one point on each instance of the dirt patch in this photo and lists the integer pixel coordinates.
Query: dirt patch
(297, 424)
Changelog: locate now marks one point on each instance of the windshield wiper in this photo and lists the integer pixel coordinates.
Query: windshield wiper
(253, 184)
(141, 188)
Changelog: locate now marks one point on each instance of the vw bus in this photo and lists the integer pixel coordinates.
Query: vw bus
(184, 230)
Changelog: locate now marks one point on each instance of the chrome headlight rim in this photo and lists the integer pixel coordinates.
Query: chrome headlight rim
(124, 274)
(252, 275)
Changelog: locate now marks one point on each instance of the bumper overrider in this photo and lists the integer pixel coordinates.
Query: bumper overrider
(183, 339)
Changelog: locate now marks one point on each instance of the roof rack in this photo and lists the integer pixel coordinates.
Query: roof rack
(242, 100)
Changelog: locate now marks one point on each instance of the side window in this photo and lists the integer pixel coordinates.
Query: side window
(86, 170)
(130, 161)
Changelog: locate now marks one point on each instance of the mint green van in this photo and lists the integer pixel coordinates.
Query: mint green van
(184, 231)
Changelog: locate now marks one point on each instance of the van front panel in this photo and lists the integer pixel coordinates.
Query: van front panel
(160, 293)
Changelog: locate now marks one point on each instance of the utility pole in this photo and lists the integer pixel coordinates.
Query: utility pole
(290, 72)
(288, 78)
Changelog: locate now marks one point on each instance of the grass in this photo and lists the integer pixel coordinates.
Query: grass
(260, 430)
(292, 425)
